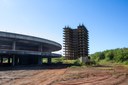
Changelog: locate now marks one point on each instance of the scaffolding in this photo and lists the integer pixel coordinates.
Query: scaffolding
(75, 42)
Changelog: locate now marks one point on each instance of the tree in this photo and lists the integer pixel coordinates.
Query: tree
(109, 55)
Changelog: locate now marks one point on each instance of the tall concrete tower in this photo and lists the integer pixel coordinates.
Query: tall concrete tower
(75, 42)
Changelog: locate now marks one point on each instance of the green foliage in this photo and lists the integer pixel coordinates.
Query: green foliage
(98, 56)
(78, 63)
(64, 61)
(44, 60)
(109, 55)
(125, 62)
(69, 61)
(119, 55)
(58, 60)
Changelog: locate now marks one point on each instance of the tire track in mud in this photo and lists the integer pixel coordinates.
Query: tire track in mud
(97, 77)
(43, 77)
(12, 76)
(50, 76)
(31, 79)
(53, 78)
(82, 81)
(8, 76)
(106, 80)
(67, 76)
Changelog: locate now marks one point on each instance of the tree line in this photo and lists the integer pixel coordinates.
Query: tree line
(119, 55)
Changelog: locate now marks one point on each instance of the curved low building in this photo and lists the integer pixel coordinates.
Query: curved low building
(18, 49)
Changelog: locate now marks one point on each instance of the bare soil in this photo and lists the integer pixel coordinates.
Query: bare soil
(62, 75)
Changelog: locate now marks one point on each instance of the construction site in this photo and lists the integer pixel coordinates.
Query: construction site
(21, 61)
(75, 42)
(63, 75)
(18, 49)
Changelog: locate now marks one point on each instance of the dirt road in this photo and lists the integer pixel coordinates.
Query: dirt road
(36, 76)
(116, 75)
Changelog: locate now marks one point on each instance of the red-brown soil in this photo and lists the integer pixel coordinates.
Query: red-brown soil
(113, 75)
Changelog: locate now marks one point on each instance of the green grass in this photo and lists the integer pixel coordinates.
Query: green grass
(110, 63)
(62, 60)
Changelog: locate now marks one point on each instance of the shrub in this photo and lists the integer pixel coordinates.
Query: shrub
(119, 55)
(77, 62)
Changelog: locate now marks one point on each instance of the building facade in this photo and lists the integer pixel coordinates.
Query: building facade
(19, 49)
(75, 42)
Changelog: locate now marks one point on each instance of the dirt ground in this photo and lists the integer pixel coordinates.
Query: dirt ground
(62, 75)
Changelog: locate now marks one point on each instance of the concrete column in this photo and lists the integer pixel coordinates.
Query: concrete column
(13, 60)
(39, 60)
(9, 60)
(20, 62)
(13, 57)
(42, 60)
(16, 60)
(1, 60)
(49, 60)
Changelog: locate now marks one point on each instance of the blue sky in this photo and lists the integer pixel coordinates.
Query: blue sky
(106, 20)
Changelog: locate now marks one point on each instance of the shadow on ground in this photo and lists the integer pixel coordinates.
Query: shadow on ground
(35, 67)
